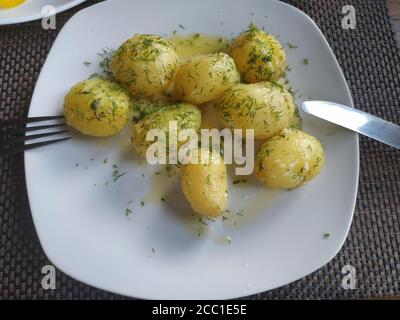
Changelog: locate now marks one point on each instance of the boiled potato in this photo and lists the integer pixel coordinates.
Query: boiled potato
(204, 78)
(144, 106)
(289, 159)
(258, 56)
(146, 64)
(265, 107)
(205, 185)
(98, 107)
(186, 115)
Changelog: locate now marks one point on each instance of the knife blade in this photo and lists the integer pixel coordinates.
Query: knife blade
(355, 120)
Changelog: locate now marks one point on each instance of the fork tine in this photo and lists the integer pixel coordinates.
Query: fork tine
(36, 136)
(29, 129)
(25, 147)
(29, 120)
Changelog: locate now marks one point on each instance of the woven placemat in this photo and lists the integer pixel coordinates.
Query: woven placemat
(370, 60)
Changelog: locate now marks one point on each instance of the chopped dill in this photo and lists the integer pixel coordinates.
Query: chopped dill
(291, 45)
(117, 175)
(128, 212)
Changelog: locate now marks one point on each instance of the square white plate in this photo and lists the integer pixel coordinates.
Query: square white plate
(80, 219)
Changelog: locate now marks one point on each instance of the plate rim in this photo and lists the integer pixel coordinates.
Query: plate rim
(155, 296)
(36, 16)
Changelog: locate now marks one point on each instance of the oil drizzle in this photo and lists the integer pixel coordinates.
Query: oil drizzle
(194, 44)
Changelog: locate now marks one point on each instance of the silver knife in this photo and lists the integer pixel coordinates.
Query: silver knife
(355, 120)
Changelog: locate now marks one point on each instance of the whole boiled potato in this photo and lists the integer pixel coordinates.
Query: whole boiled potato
(146, 64)
(289, 159)
(258, 56)
(98, 107)
(265, 107)
(205, 185)
(186, 115)
(204, 78)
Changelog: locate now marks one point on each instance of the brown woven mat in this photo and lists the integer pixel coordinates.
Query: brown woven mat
(369, 58)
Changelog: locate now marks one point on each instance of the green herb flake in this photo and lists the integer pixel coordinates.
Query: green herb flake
(128, 212)
(327, 235)
(142, 203)
(87, 64)
(117, 175)
(306, 61)
(291, 45)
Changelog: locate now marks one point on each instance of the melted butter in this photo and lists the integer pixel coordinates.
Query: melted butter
(190, 45)
(125, 143)
(103, 143)
(161, 184)
(255, 203)
(223, 240)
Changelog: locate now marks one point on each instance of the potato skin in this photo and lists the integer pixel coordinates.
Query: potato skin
(265, 107)
(187, 116)
(98, 107)
(205, 185)
(258, 56)
(289, 160)
(205, 78)
(146, 64)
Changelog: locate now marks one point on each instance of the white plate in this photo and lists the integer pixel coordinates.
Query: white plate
(81, 222)
(33, 10)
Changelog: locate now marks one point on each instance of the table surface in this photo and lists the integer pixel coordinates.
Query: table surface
(394, 11)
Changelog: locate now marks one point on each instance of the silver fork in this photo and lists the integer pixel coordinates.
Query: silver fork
(14, 134)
